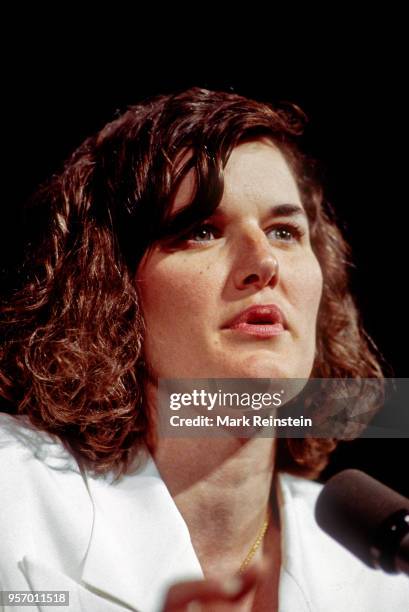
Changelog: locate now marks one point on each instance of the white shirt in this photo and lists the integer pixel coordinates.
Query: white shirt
(119, 545)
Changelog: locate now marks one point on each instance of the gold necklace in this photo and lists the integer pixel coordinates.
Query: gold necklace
(254, 546)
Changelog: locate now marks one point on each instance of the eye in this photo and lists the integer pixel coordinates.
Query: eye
(203, 233)
(287, 232)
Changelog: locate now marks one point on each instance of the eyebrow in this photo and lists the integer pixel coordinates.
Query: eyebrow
(277, 210)
(287, 210)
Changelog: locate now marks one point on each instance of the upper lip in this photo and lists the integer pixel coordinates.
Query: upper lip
(267, 314)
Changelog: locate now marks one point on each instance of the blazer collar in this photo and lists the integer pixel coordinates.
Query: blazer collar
(140, 543)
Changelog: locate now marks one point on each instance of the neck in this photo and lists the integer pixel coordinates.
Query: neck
(221, 487)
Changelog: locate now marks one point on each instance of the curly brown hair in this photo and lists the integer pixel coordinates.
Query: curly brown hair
(72, 331)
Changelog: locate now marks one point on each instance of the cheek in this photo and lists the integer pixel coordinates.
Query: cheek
(169, 290)
(307, 283)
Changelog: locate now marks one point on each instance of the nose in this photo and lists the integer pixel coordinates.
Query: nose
(256, 265)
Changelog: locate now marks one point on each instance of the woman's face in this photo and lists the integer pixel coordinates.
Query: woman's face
(239, 296)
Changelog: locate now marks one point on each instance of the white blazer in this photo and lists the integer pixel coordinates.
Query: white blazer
(118, 546)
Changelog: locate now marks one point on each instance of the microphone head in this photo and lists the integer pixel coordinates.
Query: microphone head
(363, 515)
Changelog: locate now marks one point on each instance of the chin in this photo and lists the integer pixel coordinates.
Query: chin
(262, 368)
(257, 366)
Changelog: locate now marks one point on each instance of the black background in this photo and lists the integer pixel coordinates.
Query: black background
(353, 90)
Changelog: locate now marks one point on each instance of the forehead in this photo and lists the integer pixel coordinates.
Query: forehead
(256, 170)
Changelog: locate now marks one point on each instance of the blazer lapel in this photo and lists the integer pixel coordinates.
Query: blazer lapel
(40, 577)
(140, 544)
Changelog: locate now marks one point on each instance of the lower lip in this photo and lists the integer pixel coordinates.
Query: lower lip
(260, 331)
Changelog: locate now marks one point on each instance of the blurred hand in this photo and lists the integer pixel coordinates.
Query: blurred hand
(207, 595)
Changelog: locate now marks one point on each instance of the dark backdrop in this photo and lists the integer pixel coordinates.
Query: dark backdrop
(358, 114)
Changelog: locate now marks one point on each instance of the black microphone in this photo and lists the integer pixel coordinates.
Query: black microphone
(368, 518)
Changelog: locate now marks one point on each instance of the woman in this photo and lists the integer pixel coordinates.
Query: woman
(163, 231)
